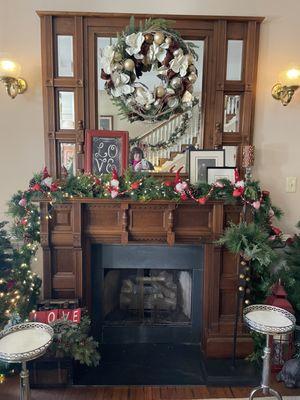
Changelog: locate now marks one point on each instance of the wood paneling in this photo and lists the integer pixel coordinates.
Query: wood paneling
(79, 223)
(86, 27)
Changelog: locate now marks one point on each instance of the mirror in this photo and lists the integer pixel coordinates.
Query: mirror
(65, 56)
(234, 60)
(67, 157)
(66, 110)
(232, 105)
(162, 160)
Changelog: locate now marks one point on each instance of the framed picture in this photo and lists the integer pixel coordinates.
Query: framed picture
(106, 122)
(216, 173)
(200, 160)
(230, 156)
(105, 151)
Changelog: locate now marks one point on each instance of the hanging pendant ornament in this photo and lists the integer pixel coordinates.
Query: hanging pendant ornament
(154, 47)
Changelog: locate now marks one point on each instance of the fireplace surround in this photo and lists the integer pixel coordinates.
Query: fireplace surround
(77, 225)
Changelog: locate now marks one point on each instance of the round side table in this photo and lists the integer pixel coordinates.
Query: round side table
(25, 342)
(268, 320)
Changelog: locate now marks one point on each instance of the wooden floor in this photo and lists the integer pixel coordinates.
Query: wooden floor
(10, 391)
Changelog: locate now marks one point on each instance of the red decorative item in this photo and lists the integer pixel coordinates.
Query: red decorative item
(202, 200)
(276, 230)
(135, 185)
(106, 151)
(45, 173)
(281, 345)
(238, 192)
(36, 187)
(52, 315)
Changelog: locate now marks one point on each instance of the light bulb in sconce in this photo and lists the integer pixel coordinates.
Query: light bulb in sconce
(289, 83)
(10, 76)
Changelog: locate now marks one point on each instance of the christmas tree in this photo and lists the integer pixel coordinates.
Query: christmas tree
(293, 264)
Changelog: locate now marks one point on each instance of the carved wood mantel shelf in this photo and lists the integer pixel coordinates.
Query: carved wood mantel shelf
(66, 241)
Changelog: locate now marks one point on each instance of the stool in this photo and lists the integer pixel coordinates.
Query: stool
(25, 342)
(268, 320)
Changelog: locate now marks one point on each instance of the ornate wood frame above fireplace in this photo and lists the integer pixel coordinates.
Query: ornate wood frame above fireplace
(84, 28)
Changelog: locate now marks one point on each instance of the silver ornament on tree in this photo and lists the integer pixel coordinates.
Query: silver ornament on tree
(173, 102)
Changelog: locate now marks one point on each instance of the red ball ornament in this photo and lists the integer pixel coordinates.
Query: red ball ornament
(237, 192)
(24, 221)
(202, 200)
(135, 185)
(183, 196)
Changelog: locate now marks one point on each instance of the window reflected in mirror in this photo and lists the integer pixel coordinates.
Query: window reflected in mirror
(234, 60)
(152, 133)
(66, 110)
(65, 56)
(232, 108)
(67, 158)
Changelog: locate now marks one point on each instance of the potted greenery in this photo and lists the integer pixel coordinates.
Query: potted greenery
(71, 343)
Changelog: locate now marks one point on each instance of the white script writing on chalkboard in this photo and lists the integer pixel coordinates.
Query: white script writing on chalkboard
(106, 158)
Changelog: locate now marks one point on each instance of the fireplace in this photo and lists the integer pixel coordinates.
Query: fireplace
(147, 293)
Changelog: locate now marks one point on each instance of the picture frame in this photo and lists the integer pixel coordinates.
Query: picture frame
(216, 173)
(230, 156)
(106, 122)
(200, 160)
(106, 150)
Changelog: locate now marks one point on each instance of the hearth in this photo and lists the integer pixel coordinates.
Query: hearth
(147, 293)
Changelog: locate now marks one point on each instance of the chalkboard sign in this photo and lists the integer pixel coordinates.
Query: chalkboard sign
(105, 151)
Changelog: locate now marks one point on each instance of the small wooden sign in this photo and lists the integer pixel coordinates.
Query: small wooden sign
(49, 316)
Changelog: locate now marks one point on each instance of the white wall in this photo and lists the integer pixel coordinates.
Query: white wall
(276, 134)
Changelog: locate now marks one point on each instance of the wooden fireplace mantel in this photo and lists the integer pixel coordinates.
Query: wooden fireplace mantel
(66, 241)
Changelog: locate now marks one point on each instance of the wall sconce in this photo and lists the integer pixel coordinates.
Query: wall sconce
(9, 75)
(289, 83)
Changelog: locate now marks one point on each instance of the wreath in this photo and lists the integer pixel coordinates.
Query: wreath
(155, 47)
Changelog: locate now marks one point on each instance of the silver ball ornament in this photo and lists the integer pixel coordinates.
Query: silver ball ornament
(176, 53)
(159, 38)
(129, 64)
(192, 77)
(147, 107)
(176, 82)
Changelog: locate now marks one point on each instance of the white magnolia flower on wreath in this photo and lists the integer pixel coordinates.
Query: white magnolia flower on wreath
(134, 43)
(121, 86)
(179, 63)
(157, 52)
(106, 60)
(143, 96)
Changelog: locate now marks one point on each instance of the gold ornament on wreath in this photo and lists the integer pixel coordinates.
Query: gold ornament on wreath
(154, 47)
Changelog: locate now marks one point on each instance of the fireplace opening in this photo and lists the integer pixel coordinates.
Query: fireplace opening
(147, 296)
(147, 293)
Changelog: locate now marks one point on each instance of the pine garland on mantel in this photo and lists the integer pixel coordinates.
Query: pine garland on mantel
(137, 187)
